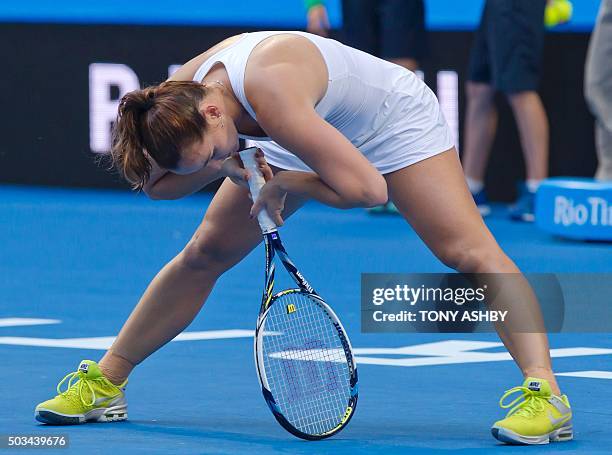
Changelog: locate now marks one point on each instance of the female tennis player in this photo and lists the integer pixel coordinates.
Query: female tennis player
(336, 125)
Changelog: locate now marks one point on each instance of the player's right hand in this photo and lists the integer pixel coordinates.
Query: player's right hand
(318, 21)
(233, 168)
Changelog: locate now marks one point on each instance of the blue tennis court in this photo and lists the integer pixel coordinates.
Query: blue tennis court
(75, 262)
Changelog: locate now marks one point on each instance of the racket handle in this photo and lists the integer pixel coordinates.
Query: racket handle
(256, 182)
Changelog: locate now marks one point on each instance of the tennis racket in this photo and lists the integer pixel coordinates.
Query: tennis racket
(303, 355)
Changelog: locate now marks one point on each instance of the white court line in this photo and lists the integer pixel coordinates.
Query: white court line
(593, 374)
(104, 343)
(447, 352)
(428, 354)
(16, 322)
(470, 357)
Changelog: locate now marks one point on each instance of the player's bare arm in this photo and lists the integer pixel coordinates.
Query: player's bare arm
(284, 88)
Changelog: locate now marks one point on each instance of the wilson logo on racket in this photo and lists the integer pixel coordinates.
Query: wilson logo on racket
(291, 308)
(304, 282)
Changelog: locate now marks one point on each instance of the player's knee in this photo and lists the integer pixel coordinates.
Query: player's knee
(473, 259)
(203, 253)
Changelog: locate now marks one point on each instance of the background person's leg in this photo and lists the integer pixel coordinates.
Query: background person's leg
(603, 142)
(360, 25)
(598, 87)
(410, 64)
(480, 128)
(434, 199)
(517, 43)
(481, 113)
(403, 38)
(177, 293)
(534, 133)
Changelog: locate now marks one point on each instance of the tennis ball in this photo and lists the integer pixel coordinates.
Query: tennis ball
(558, 12)
(565, 9)
(551, 16)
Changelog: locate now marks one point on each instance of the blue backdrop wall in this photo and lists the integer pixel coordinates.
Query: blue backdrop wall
(441, 14)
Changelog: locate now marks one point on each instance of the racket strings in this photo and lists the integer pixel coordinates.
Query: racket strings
(305, 364)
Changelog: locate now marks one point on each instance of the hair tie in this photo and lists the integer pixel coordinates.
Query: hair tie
(149, 100)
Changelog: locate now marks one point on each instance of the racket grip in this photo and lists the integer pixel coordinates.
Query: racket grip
(256, 182)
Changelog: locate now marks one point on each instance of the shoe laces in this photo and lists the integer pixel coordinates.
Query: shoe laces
(77, 389)
(528, 404)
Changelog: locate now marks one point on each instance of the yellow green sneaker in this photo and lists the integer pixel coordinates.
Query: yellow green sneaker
(536, 417)
(89, 397)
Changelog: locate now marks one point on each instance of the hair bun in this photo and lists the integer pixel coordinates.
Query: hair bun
(149, 100)
(137, 102)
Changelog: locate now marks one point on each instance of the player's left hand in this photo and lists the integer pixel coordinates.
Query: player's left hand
(272, 199)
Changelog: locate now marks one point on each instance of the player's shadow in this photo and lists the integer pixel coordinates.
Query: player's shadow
(258, 433)
(398, 436)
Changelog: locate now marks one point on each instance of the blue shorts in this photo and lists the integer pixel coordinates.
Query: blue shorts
(507, 49)
(388, 29)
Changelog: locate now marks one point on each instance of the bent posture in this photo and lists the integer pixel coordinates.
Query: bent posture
(337, 125)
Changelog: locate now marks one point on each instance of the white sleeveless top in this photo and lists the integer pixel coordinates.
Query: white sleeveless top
(369, 100)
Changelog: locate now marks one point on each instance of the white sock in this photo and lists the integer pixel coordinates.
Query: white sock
(474, 185)
(532, 185)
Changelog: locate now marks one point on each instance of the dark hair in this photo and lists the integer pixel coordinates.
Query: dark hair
(159, 121)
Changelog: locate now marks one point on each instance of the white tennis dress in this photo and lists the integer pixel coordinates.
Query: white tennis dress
(387, 112)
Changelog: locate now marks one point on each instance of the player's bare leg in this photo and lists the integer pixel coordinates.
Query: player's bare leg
(177, 293)
(447, 220)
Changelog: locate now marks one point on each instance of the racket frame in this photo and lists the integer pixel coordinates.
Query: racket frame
(273, 245)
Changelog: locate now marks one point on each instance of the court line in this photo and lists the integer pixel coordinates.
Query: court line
(104, 343)
(593, 374)
(446, 352)
(16, 322)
